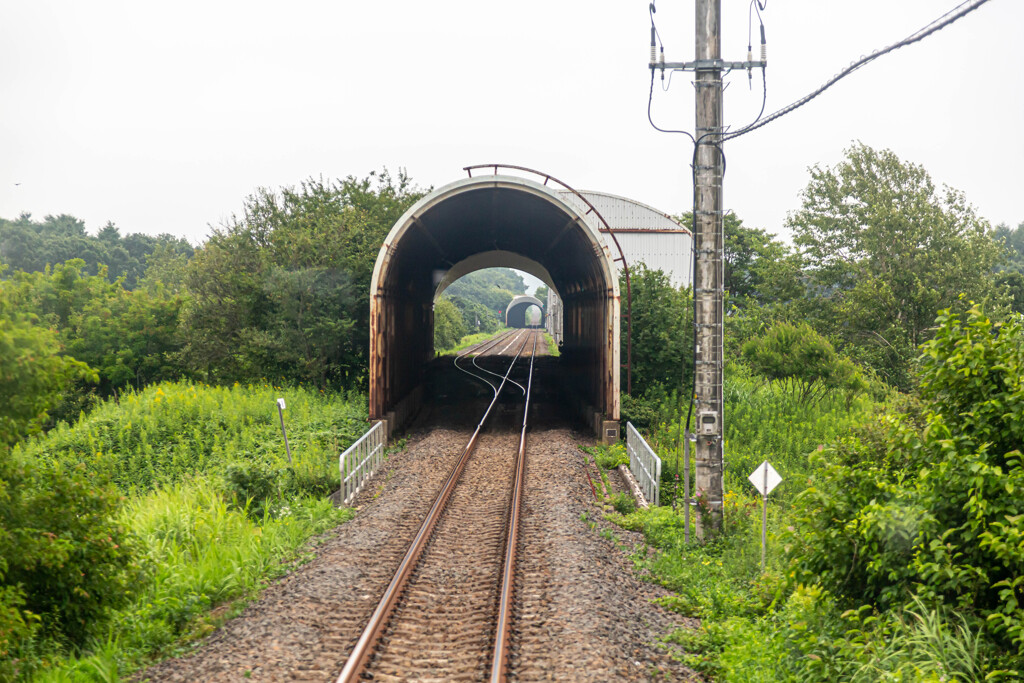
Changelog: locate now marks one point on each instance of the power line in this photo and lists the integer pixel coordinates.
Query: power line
(942, 22)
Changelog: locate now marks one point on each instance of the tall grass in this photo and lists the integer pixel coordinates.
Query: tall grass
(767, 422)
(198, 553)
(214, 507)
(171, 430)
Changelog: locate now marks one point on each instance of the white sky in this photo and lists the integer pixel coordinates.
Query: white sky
(164, 117)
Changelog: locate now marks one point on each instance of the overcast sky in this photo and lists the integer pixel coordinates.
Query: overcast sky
(163, 117)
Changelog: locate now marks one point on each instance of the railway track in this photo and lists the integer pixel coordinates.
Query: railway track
(446, 614)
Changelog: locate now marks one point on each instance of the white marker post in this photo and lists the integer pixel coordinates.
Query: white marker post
(764, 479)
(280, 413)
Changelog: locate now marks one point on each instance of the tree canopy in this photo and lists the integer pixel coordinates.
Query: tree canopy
(885, 249)
(492, 287)
(282, 291)
(29, 245)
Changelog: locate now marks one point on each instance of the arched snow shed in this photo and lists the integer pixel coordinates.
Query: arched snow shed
(515, 314)
(493, 216)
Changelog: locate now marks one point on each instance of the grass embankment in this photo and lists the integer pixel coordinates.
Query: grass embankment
(721, 582)
(213, 507)
(470, 340)
(895, 551)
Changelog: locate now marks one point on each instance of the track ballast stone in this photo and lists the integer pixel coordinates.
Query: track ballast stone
(581, 614)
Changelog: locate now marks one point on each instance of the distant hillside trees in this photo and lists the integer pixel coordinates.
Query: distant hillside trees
(29, 245)
(492, 287)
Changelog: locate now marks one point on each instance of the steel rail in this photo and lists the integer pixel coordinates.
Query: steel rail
(515, 337)
(503, 632)
(481, 350)
(363, 650)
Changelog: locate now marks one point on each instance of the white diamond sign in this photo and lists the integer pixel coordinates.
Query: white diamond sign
(765, 478)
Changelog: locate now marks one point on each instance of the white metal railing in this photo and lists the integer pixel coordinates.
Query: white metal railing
(644, 464)
(361, 460)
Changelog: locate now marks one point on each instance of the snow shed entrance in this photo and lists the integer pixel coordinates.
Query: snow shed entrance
(515, 314)
(494, 221)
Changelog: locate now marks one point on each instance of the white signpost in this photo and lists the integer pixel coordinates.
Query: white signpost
(280, 413)
(764, 479)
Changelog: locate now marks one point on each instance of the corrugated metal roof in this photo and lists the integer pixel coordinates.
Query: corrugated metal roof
(645, 234)
(625, 214)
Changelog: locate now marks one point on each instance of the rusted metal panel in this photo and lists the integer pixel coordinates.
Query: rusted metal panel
(499, 213)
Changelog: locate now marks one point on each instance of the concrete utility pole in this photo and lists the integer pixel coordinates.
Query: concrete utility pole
(709, 241)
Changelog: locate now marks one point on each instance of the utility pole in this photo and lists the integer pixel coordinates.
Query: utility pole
(709, 250)
(709, 282)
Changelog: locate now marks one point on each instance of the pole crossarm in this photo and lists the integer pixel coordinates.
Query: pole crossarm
(707, 65)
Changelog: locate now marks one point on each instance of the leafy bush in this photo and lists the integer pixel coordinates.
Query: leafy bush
(448, 325)
(623, 503)
(932, 510)
(802, 361)
(65, 558)
(610, 457)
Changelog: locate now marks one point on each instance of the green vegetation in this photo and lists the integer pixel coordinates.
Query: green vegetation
(143, 479)
(120, 531)
(35, 375)
(28, 245)
(491, 287)
(662, 346)
(894, 540)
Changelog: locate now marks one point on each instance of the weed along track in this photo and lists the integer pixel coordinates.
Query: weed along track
(577, 613)
(446, 613)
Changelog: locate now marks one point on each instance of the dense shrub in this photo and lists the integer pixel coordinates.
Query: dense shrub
(65, 559)
(449, 327)
(174, 430)
(931, 507)
(802, 361)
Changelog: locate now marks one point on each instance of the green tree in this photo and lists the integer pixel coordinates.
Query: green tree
(662, 332)
(885, 250)
(802, 361)
(448, 326)
(1013, 242)
(282, 292)
(33, 373)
